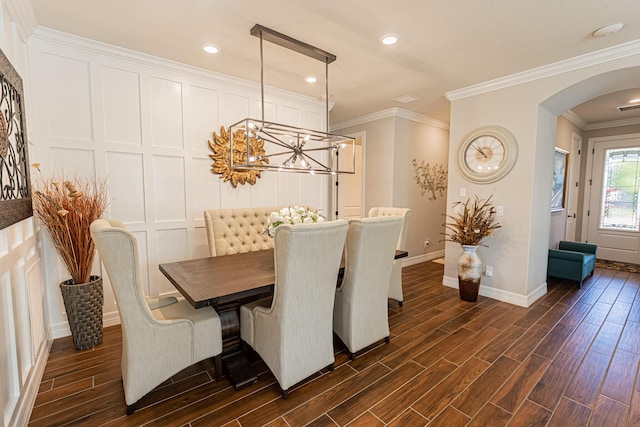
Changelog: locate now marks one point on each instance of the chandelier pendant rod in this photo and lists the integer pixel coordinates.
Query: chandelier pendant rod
(261, 79)
(326, 95)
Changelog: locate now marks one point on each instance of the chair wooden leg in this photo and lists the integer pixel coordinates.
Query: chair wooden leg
(387, 339)
(352, 355)
(217, 360)
(285, 394)
(132, 408)
(400, 303)
(331, 367)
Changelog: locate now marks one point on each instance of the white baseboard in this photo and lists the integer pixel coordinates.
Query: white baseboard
(501, 294)
(27, 398)
(61, 329)
(422, 258)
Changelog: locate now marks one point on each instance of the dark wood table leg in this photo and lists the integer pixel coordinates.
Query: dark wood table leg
(235, 361)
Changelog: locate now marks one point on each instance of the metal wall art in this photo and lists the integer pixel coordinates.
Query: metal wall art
(241, 146)
(15, 191)
(430, 178)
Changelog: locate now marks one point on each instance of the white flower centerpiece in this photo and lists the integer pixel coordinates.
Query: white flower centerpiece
(292, 215)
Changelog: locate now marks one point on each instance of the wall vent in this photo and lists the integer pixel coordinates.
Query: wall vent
(628, 107)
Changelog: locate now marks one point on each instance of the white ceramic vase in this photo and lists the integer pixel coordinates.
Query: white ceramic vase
(469, 273)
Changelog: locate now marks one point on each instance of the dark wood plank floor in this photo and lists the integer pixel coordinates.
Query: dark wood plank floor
(571, 359)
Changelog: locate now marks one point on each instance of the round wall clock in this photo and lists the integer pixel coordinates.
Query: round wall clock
(487, 154)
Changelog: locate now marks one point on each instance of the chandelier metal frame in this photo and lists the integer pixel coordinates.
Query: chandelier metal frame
(291, 149)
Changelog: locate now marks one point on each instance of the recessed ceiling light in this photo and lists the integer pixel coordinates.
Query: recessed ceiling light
(389, 39)
(210, 48)
(310, 79)
(607, 30)
(635, 100)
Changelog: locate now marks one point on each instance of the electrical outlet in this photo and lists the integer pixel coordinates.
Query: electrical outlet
(488, 271)
(500, 210)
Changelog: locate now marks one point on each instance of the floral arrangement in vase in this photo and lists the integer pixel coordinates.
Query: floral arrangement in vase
(66, 208)
(292, 215)
(474, 222)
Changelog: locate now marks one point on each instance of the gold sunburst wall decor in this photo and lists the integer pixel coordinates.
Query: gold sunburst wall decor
(221, 156)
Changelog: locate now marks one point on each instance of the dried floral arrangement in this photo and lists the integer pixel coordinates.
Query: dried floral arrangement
(474, 221)
(66, 208)
(430, 178)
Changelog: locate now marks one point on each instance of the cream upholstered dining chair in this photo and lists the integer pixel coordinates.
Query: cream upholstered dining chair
(395, 283)
(293, 333)
(152, 302)
(360, 313)
(159, 343)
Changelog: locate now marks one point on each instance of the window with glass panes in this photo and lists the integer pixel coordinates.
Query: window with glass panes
(619, 209)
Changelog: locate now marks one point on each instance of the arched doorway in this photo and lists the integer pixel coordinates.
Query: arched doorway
(529, 107)
(613, 243)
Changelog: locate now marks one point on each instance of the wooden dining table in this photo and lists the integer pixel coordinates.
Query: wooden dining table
(225, 283)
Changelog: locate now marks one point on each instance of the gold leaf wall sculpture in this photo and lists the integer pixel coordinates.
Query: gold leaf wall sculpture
(221, 157)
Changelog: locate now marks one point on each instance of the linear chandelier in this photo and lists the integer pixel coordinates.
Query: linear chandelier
(284, 148)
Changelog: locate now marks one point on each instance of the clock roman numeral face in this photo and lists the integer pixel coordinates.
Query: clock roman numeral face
(484, 154)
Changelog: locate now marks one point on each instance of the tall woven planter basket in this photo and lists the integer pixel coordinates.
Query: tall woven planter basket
(83, 304)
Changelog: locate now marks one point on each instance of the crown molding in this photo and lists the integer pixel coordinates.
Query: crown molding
(575, 119)
(420, 118)
(613, 123)
(578, 62)
(22, 13)
(66, 40)
(390, 112)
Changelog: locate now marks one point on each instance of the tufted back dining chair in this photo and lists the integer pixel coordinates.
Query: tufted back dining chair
(360, 314)
(232, 231)
(293, 333)
(395, 283)
(159, 343)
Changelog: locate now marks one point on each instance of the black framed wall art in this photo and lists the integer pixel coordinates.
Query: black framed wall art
(559, 179)
(15, 190)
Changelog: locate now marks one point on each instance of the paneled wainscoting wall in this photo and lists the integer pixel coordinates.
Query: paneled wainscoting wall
(144, 122)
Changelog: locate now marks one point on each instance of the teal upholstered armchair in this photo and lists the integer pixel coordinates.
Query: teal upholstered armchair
(572, 260)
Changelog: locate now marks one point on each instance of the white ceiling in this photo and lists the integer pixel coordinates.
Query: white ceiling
(444, 45)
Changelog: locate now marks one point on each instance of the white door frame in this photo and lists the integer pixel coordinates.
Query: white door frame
(573, 182)
(620, 244)
(334, 195)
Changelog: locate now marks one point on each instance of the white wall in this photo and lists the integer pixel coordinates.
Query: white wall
(392, 138)
(144, 122)
(428, 143)
(528, 105)
(378, 158)
(23, 331)
(558, 219)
